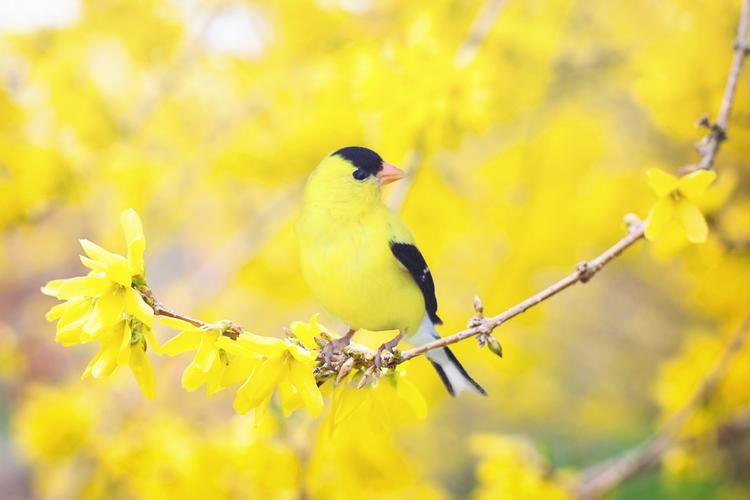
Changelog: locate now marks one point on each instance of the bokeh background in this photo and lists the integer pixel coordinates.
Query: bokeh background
(527, 127)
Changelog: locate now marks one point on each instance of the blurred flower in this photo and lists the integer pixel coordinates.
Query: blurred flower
(510, 467)
(12, 355)
(677, 204)
(104, 306)
(53, 423)
(393, 398)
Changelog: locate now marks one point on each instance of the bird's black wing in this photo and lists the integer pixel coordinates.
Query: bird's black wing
(411, 258)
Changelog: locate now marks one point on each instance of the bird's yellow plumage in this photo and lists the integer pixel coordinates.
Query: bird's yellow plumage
(361, 261)
(344, 233)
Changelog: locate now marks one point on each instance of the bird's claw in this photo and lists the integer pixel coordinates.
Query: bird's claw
(388, 346)
(335, 346)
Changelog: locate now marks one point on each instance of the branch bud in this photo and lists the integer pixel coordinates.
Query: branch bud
(494, 345)
(345, 369)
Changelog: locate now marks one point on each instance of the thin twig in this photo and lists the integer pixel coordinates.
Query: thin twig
(231, 330)
(600, 478)
(479, 31)
(711, 143)
(584, 272)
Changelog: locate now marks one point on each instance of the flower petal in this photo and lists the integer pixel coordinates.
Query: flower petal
(260, 385)
(248, 344)
(140, 365)
(692, 220)
(300, 353)
(661, 215)
(302, 378)
(70, 326)
(215, 377)
(106, 312)
(182, 342)
(193, 378)
(136, 241)
(409, 394)
(118, 269)
(126, 345)
(92, 285)
(70, 334)
(207, 351)
(136, 306)
(92, 264)
(306, 333)
(105, 362)
(346, 401)
(289, 397)
(151, 342)
(661, 182)
(238, 370)
(694, 184)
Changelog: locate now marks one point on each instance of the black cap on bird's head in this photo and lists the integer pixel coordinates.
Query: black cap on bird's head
(367, 162)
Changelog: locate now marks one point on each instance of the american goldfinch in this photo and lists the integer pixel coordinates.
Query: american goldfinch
(362, 263)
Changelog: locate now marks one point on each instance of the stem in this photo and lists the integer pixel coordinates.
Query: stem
(583, 273)
(600, 478)
(718, 134)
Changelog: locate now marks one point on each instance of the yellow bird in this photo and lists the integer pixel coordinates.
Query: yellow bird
(362, 263)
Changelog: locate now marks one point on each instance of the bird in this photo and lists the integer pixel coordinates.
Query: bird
(362, 263)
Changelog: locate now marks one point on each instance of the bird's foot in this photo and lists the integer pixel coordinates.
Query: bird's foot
(335, 346)
(388, 346)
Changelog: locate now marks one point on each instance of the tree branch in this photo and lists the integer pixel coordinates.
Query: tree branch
(584, 272)
(601, 478)
(598, 479)
(710, 144)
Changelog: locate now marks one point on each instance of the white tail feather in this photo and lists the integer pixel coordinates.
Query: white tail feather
(450, 370)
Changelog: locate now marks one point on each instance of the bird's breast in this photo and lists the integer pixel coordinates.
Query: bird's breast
(349, 267)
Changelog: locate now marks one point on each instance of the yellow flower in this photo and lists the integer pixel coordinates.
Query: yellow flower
(285, 365)
(212, 364)
(510, 467)
(53, 423)
(306, 332)
(104, 306)
(392, 399)
(676, 205)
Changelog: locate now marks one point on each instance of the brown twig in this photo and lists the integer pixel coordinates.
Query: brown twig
(710, 144)
(583, 273)
(648, 455)
(598, 479)
(231, 330)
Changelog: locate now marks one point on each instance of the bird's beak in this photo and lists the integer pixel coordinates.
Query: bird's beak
(389, 174)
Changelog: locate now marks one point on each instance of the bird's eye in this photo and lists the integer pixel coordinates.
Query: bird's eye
(360, 174)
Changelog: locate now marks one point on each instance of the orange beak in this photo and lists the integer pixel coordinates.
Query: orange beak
(389, 174)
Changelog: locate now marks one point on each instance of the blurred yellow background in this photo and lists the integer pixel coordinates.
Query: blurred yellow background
(528, 127)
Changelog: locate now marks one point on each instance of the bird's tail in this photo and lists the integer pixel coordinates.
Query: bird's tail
(453, 375)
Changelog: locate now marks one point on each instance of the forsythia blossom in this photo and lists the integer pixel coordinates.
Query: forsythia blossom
(212, 364)
(676, 204)
(104, 306)
(286, 365)
(392, 399)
